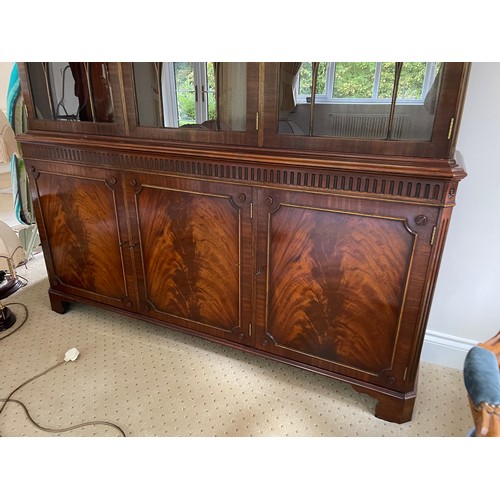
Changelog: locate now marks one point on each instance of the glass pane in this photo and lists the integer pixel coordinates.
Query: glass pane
(411, 80)
(211, 91)
(295, 97)
(354, 80)
(321, 78)
(231, 92)
(415, 110)
(147, 80)
(184, 88)
(386, 84)
(305, 78)
(74, 91)
(354, 99)
(360, 120)
(199, 95)
(351, 111)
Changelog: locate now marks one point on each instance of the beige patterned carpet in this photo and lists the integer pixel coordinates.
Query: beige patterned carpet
(151, 381)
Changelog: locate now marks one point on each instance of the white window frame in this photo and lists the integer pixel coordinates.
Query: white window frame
(430, 72)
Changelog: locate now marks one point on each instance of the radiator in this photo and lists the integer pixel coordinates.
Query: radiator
(370, 126)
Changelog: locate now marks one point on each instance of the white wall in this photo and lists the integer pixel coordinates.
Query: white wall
(5, 69)
(466, 306)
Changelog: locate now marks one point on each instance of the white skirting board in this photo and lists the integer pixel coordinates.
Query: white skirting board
(446, 350)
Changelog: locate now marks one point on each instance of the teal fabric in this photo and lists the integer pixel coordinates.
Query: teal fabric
(13, 93)
(23, 206)
(482, 376)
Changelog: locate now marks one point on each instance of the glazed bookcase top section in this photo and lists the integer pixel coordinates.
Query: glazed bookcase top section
(402, 110)
(402, 114)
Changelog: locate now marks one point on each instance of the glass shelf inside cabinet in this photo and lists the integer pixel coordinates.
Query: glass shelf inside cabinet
(71, 91)
(367, 100)
(197, 95)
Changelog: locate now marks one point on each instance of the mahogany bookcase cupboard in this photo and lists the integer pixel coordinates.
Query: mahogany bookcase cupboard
(254, 204)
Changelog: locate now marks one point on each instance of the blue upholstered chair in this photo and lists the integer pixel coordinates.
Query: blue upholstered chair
(482, 381)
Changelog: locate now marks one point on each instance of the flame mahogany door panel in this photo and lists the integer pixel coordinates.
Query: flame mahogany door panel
(340, 282)
(83, 229)
(193, 244)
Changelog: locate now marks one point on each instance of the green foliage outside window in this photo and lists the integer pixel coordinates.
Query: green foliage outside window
(355, 80)
(185, 88)
(305, 80)
(212, 110)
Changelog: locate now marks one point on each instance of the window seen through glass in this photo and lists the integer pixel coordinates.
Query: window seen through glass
(369, 100)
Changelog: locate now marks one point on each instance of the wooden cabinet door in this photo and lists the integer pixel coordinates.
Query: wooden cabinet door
(83, 229)
(340, 282)
(193, 244)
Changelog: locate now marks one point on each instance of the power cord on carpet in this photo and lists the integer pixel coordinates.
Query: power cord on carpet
(65, 429)
(70, 355)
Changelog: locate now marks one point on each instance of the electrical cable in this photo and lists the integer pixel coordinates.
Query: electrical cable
(27, 382)
(64, 429)
(9, 400)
